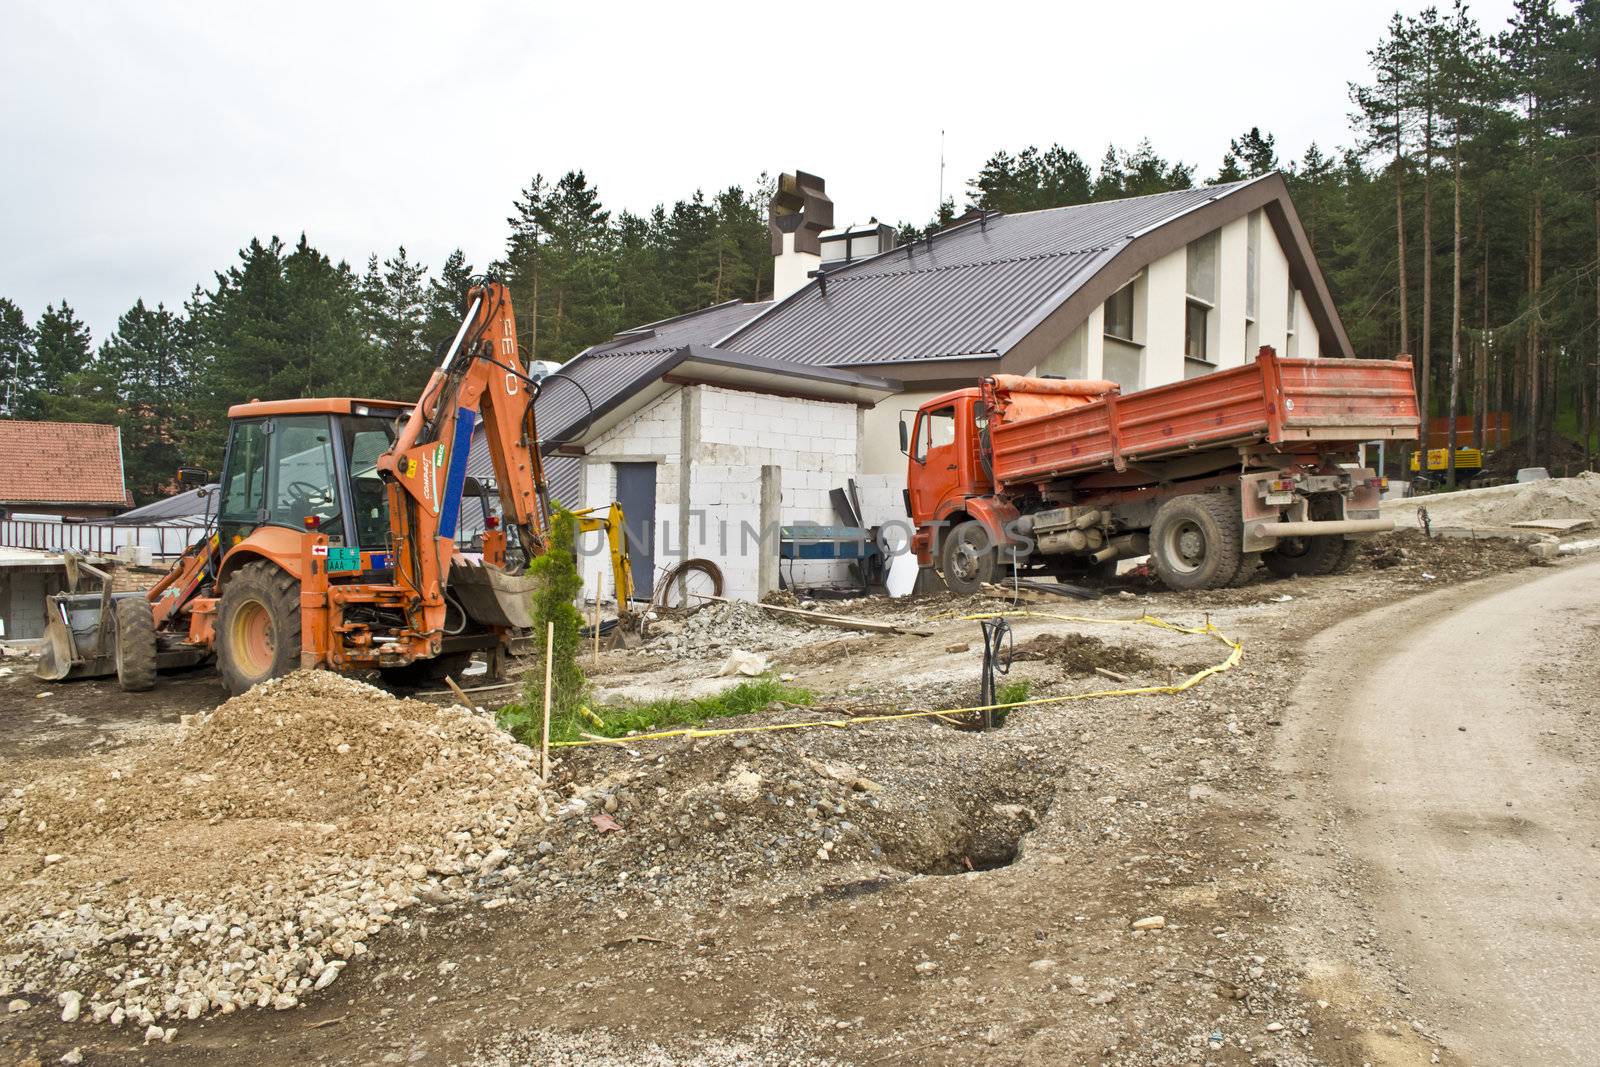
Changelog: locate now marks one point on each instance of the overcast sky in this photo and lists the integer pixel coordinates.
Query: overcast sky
(144, 143)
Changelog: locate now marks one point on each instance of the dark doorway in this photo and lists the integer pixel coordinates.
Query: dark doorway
(636, 492)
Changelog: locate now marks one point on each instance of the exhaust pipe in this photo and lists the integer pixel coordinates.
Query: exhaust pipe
(1124, 546)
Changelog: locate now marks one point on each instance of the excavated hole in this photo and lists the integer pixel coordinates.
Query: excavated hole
(975, 838)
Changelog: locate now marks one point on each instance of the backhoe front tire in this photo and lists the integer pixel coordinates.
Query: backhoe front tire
(136, 645)
(968, 557)
(258, 626)
(1197, 541)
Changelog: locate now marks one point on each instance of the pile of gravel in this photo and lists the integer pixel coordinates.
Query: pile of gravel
(715, 630)
(245, 861)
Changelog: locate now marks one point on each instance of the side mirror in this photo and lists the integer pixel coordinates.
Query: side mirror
(905, 438)
(193, 477)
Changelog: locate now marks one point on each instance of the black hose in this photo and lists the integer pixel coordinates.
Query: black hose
(997, 649)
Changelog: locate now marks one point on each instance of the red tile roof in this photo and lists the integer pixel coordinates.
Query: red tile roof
(61, 463)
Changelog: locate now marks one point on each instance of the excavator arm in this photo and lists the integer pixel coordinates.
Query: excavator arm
(480, 380)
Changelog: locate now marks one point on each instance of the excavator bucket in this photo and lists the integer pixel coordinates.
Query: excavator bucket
(80, 638)
(490, 595)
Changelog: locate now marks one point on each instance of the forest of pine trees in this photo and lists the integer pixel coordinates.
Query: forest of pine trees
(1460, 224)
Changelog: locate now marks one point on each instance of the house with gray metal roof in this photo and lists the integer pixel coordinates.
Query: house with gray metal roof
(1143, 291)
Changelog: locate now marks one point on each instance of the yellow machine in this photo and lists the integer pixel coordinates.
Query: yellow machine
(610, 520)
(1468, 461)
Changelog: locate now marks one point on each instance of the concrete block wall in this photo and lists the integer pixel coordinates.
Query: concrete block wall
(814, 444)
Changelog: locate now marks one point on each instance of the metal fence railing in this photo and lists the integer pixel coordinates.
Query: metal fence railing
(163, 541)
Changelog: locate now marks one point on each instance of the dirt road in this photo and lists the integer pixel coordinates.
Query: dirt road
(1463, 770)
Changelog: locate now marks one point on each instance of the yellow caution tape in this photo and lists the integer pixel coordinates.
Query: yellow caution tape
(1235, 654)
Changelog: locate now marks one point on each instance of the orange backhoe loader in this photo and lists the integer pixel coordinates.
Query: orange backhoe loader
(335, 541)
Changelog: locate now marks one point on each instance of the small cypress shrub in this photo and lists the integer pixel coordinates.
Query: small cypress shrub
(557, 588)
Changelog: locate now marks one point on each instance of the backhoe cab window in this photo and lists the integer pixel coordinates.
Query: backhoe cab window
(937, 429)
(365, 439)
(244, 482)
(303, 482)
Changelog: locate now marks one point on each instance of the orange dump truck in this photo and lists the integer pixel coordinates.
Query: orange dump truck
(1208, 476)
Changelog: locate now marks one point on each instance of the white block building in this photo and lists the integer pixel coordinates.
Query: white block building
(744, 417)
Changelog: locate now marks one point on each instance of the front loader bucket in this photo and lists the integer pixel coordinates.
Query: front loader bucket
(491, 596)
(80, 639)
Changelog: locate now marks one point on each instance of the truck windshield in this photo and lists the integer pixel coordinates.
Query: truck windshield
(938, 429)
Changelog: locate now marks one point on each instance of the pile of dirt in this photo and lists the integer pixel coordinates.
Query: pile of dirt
(1558, 454)
(763, 811)
(1499, 506)
(1082, 653)
(244, 861)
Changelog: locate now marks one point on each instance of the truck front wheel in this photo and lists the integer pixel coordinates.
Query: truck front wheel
(1197, 541)
(258, 626)
(968, 557)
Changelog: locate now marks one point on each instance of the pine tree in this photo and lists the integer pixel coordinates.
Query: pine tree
(1530, 47)
(446, 305)
(62, 347)
(149, 362)
(1383, 121)
(394, 298)
(1255, 151)
(16, 357)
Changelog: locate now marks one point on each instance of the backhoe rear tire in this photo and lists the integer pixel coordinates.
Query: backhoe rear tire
(258, 626)
(1197, 541)
(136, 645)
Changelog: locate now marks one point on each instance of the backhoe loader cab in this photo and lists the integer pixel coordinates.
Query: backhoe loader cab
(309, 466)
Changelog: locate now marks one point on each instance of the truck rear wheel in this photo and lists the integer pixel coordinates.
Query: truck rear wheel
(136, 645)
(258, 626)
(1197, 541)
(968, 557)
(1295, 556)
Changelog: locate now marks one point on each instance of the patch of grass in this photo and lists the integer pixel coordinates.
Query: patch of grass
(1013, 692)
(742, 699)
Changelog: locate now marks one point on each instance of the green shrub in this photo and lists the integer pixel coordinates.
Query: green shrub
(554, 594)
(1015, 691)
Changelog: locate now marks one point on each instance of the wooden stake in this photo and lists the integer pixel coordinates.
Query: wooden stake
(596, 629)
(466, 702)
(544, 740)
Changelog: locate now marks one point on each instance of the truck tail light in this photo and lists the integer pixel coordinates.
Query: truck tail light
(1377, 483)
(1282, 485)
(312, 522)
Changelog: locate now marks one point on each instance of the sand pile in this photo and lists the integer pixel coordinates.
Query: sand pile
(245, 860)
(1499, 506)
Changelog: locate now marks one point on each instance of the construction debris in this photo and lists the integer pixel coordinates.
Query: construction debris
(246, 860)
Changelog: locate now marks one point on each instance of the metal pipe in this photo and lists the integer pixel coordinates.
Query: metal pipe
(472, 315)
(1318, 529)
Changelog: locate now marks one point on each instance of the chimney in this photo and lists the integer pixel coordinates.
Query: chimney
(798, 214)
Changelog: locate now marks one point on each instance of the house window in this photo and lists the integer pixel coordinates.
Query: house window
(1119, 314)
(1200, 309)
(1203, 268)
(1292, 346)
(1196, 324)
